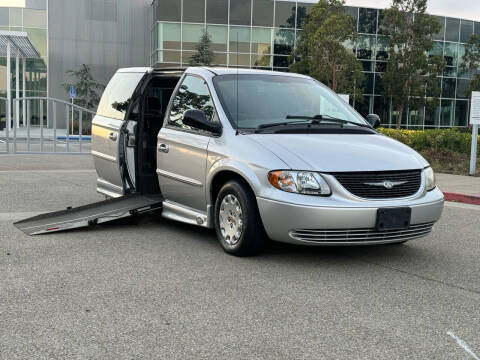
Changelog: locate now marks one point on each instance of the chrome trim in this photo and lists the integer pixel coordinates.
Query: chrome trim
(104, 156)
(180, 178)
(370, 236)
(175, 211)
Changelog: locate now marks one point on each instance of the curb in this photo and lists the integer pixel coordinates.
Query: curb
(463, 198)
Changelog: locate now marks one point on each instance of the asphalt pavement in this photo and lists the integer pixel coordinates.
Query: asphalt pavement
(164, 290)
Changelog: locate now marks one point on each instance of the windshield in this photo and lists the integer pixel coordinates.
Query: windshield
(270, 99)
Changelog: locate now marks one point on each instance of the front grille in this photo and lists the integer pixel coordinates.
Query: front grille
(360, 183)
(345, 236)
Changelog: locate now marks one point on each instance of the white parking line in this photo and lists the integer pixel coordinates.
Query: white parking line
(463, 345)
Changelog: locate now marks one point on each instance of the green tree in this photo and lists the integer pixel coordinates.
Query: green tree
(88, 90)
(321, 53)
(471, 63)
(411, 73)
(203, 56)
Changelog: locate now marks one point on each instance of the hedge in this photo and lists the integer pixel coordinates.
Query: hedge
(440, 139)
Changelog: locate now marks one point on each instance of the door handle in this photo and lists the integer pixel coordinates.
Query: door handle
(113, 136)
(163, 148)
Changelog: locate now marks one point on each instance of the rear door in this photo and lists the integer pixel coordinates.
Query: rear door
(182, 150)
(106, 134)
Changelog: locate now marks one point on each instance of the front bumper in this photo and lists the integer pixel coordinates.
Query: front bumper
(343, 223)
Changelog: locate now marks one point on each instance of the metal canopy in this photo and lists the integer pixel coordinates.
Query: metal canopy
(19, 42)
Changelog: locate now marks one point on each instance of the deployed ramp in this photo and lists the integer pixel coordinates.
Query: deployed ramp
(89, 215)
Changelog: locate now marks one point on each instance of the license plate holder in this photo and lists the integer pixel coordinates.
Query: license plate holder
(393, 218)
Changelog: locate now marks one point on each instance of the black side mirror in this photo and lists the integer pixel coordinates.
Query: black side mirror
(198, 120)
(374, 120)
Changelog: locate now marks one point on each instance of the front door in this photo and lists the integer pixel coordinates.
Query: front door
(182, 150)
(106, 135)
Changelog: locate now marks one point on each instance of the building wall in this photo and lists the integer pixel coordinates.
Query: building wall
(267, 31)
(104, 34)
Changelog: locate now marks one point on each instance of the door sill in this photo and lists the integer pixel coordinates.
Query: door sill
(175, 211)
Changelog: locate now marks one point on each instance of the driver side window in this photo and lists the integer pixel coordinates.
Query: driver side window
(193, 94)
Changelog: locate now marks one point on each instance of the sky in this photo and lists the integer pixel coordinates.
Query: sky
(465, 9)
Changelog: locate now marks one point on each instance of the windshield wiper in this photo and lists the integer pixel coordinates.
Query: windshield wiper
(317, 119)
(264, 126)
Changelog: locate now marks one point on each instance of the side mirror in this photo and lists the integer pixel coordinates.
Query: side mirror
(374, 120)
(198, 120)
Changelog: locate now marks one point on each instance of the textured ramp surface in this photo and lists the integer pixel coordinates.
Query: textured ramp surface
(82, 216)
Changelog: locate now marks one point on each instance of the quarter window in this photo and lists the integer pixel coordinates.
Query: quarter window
(193, 94)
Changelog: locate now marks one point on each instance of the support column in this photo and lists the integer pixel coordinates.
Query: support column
(17, 88)
(9, 88)
(24, 83)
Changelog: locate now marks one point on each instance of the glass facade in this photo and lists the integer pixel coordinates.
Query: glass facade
(262, 33)
(33, 21)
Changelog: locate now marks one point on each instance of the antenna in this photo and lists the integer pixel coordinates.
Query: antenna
(236, 133)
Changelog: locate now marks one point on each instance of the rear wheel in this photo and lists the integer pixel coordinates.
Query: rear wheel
(237, 220)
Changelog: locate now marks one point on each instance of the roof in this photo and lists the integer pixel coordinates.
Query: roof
(19, 41)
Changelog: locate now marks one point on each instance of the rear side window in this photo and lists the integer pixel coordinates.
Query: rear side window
(116, 97)
(193, 94)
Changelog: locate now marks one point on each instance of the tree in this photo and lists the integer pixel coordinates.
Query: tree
(471, 63)
(411, 73)
(203, 56)
(320, 52)
(88, 90)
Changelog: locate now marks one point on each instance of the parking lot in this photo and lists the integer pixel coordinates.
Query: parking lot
(165, 290)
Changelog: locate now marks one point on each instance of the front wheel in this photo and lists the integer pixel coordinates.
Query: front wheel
(237, 220)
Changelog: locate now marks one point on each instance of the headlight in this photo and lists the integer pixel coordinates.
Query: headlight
(300, 182)
(429, 178)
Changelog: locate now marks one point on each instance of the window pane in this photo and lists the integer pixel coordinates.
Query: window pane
(259, 60)
(441, 33)
(242, 60)
(169, 11)
(382, 48)
(283, 41)
(462, 85)
(193, 94)
(380, 107)
(367, 21)
(217, 11)
(477, 28)
(4, 17)
(262, 13)
(240, 12)
(461, 113)
(368, 65)
(194, 11)
(219, 36)
(353, 12)
(368, 86)
(284, 14)
(379, 87)
(466, 30)
(303, 10)
(39, 39)
(280, 61)
(261, 41)
(116, 97)
(451, 54)
(169, 56)
(242, 34)
(448, 90)
(366, 47)
(35, 18)
(191, 35)
(447, 112)
(452, 30)
(432, 113)
(219, 59)
(169, 36)
(16, 17)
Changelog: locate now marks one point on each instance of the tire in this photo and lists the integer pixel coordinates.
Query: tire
(237, 220)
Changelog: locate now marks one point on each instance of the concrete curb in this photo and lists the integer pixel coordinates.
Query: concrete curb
(463, 198)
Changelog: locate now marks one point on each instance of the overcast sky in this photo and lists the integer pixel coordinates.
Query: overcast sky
(466, 9)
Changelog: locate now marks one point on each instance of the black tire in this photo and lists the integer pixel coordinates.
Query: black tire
(252, 238)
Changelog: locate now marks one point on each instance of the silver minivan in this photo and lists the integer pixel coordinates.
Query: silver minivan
(260, 154)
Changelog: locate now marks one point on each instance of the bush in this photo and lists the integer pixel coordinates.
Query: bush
(439, 139)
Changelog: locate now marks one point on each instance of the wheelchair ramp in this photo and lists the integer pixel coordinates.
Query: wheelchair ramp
(89, 215)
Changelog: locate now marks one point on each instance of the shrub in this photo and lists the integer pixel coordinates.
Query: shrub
(439, 139)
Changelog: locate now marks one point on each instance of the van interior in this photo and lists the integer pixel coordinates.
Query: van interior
(154, 102)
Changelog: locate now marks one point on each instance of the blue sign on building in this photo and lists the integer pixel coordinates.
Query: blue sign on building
(73, 93)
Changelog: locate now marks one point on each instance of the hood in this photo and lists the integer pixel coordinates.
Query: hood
(341, 152)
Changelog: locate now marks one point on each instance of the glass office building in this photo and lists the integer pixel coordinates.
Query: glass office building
(30, 17)
(262, 34)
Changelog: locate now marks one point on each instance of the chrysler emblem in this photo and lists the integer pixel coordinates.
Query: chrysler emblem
(387, 184)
